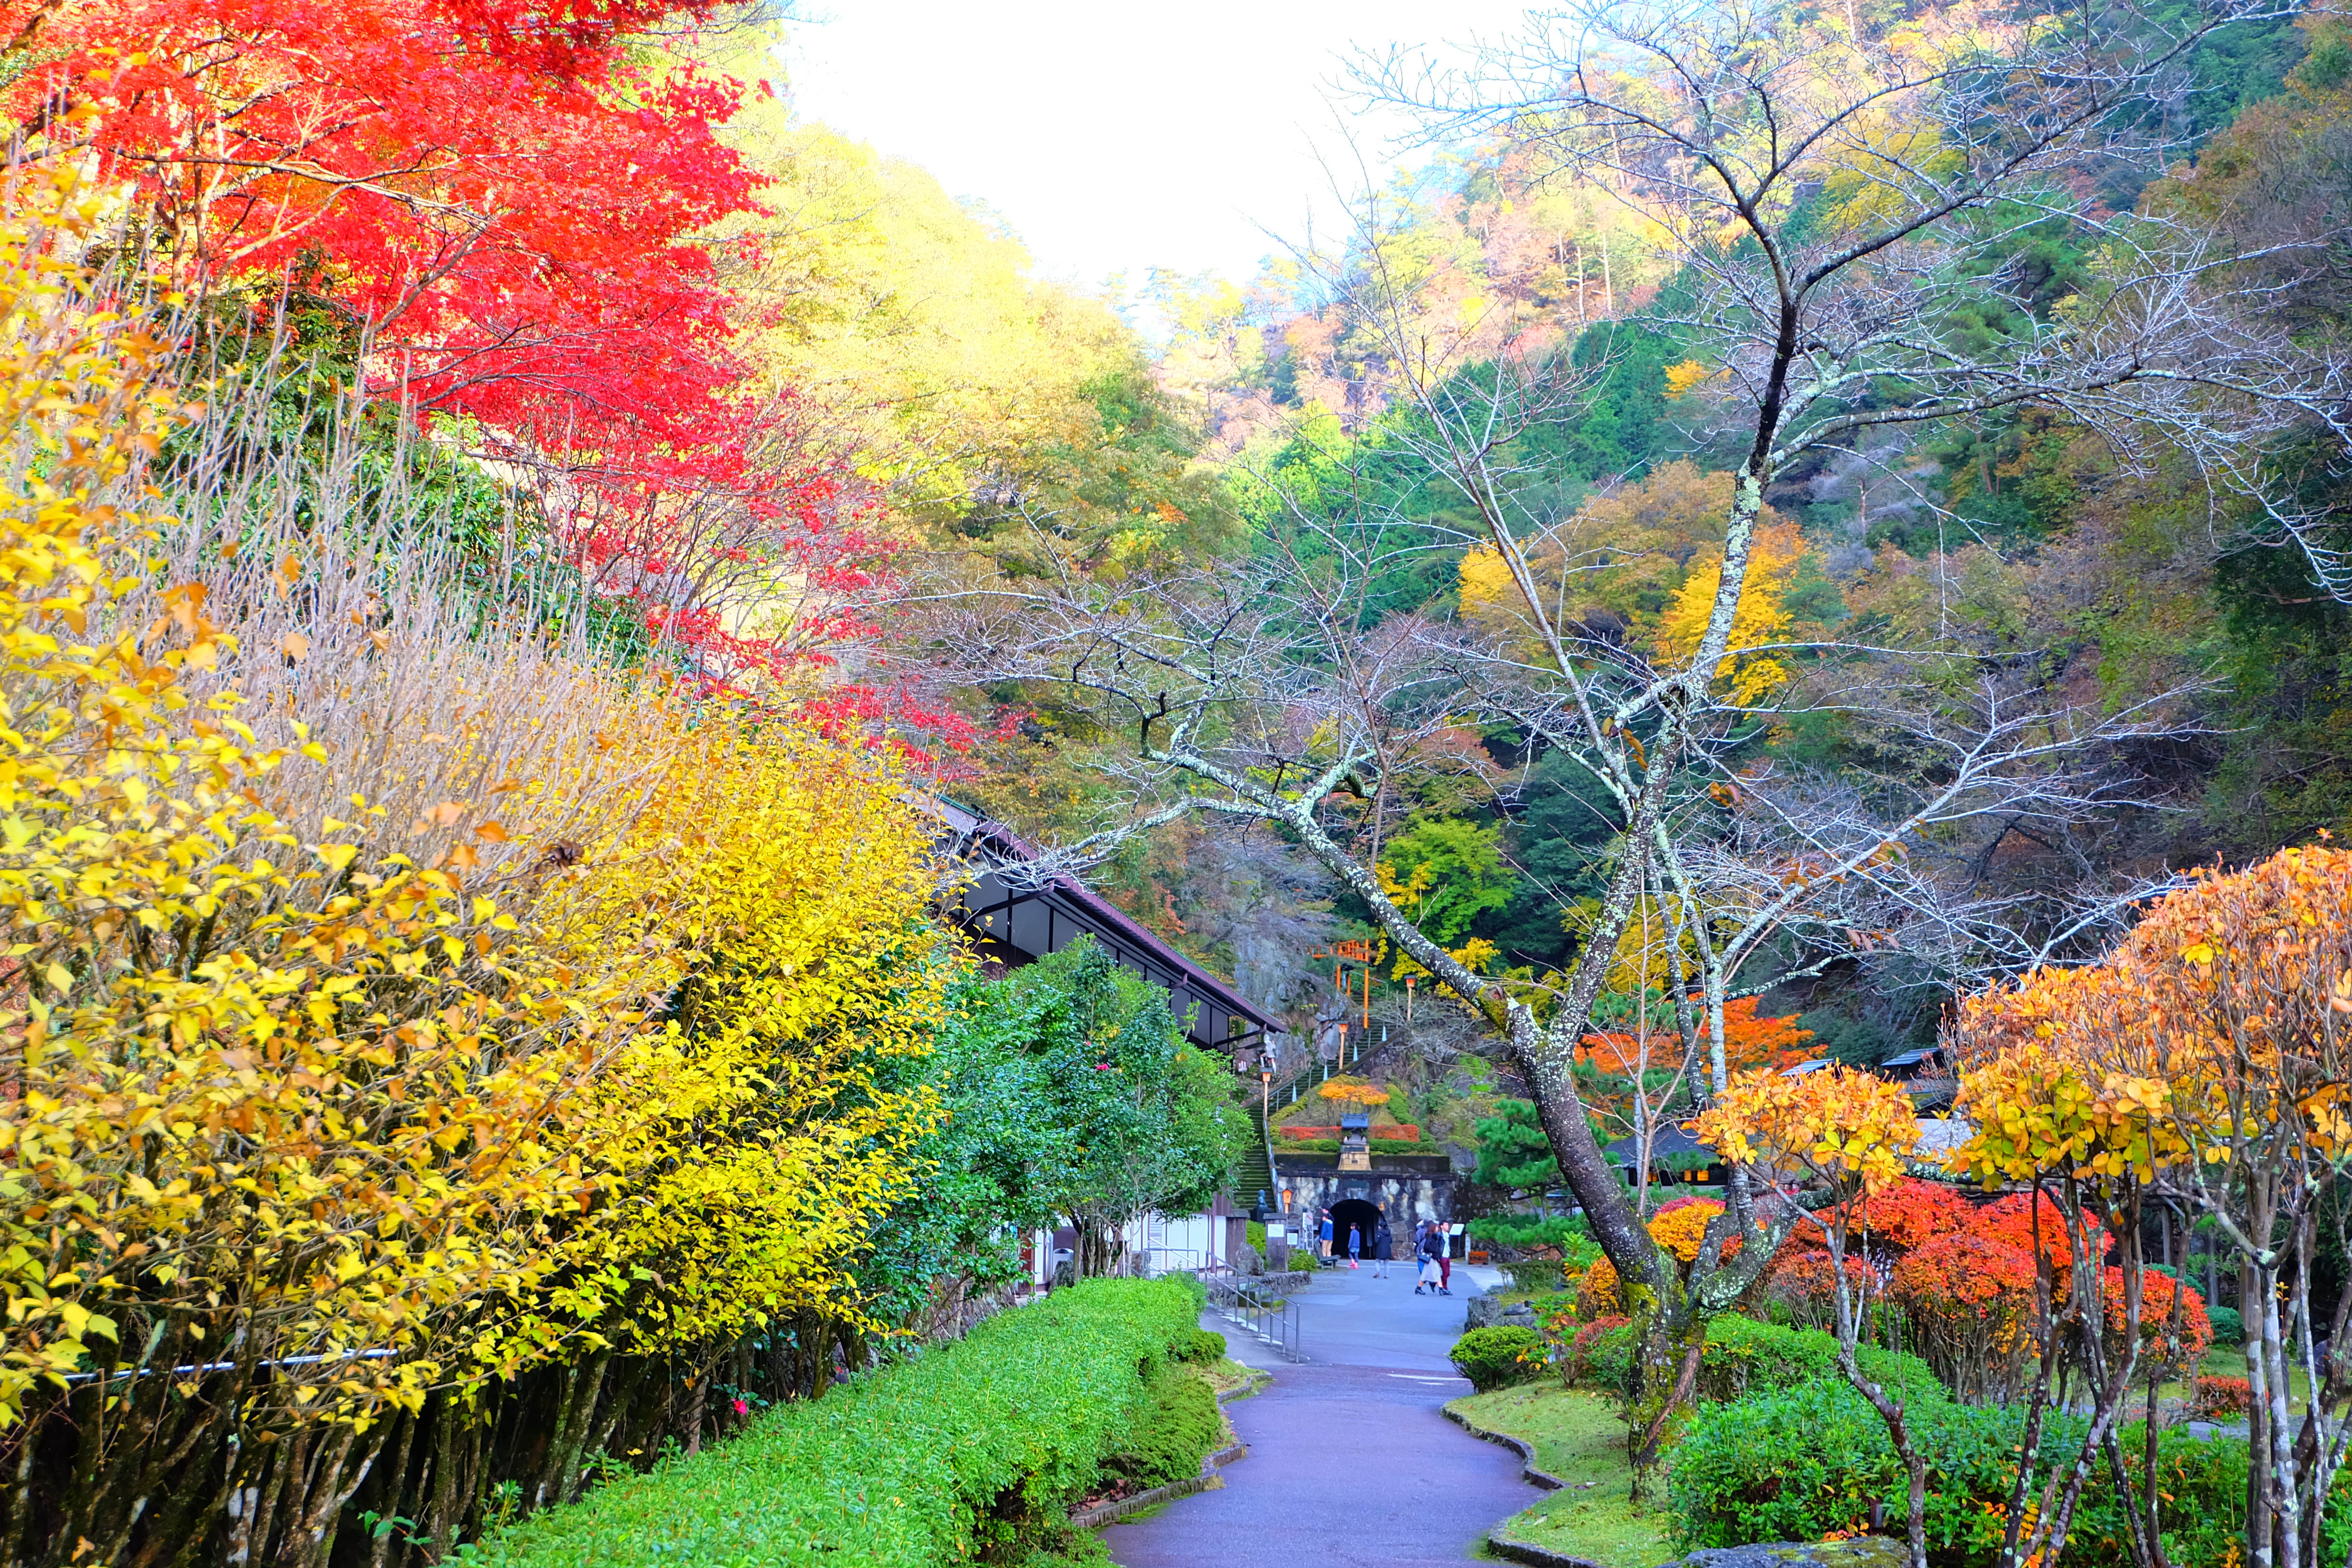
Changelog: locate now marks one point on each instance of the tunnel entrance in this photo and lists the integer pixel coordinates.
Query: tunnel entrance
(1359, 1213)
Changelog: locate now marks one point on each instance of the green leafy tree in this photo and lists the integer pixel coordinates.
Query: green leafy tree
(1513, 1151)
(1456, 871)
(1070, 1093)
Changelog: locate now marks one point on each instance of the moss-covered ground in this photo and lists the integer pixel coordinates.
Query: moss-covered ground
(1580, 1438)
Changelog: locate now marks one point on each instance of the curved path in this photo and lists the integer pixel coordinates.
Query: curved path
(1350, 1460)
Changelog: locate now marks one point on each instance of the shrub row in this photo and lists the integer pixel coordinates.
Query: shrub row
(1393, 1131)
(964, 1449)
(1528, 1230)
(1499, 1355)
(1797, 1464)
(1744, 1356)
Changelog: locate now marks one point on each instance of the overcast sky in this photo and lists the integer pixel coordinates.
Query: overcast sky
(1115, 137)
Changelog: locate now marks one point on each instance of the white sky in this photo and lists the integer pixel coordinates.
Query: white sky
(1114, 137)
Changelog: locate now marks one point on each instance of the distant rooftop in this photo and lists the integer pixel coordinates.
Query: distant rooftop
(1015, 923)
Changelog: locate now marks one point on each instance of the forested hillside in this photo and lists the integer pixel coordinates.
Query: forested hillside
(2100, 557)
(1780, 531)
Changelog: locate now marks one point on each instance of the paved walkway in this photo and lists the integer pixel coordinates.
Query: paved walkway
(1351, 1461)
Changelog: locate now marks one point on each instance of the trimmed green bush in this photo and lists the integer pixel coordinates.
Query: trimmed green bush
(1563, 1231)
(1744, 1356)
(979, 1445)
(1201, 1345)
(1793, 1464)
(2229, 1325)
(1492, 1358)
(1796, 1464)
(1180, 1429)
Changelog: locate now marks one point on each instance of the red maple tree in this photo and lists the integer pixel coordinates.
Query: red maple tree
(508, 203)
(1748, 1041)
(507, 193)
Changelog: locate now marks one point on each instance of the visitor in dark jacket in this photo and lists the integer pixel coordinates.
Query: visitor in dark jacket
(1433, 1249)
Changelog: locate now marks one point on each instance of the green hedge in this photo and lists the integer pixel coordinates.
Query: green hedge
(1182, 1427)
(1563, 1231)
(1744, 1356)
(1796, 1464)
(1497, 1357)
(962, 1448)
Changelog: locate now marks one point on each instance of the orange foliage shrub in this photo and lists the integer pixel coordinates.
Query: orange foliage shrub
(2159, 1346)
(1801, 1279)
(2223, 1398)
(1599, 1296)
(1679, 1226)
(1969, 1297)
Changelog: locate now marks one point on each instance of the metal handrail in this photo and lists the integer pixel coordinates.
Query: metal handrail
(1272, 1320)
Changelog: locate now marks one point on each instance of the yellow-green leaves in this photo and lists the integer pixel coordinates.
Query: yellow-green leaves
(404, 1120)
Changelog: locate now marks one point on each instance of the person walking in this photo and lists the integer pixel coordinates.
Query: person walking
(1355, 1246)
(1426, 1252)
(1382, 1245)
(1445, 1259)
(1323, 1238)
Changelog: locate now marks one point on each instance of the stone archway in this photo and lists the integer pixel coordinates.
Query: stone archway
(1360, 1213)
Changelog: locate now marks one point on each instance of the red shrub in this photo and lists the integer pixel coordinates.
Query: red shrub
(1572, 1361)
(2157, 1343)
(2223, 1398)
(1969, 1298)
(1799, 1278)
(1909, 1214)
(2013, 1220)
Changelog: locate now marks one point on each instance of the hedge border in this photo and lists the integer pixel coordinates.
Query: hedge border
(1113, 1511)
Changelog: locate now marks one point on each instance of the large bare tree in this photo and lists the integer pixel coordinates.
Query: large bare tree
(1834, 205)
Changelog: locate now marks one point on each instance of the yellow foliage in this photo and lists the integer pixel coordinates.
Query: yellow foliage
(1679, 1231)
(1610, 567)
(1849, 1128)
(1879, 175)
(1352, 1092)
(1761, 617)
(1686, 377)
(291, 1094)
(2214, 1029)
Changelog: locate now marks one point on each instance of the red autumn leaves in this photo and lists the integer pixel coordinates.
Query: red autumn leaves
(509, 204)
(1965, 1278)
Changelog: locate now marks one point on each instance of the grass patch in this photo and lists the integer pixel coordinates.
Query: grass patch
(1225, 1374)
(1578, 1438)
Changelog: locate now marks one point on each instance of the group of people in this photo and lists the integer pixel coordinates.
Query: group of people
(1432, 1251)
